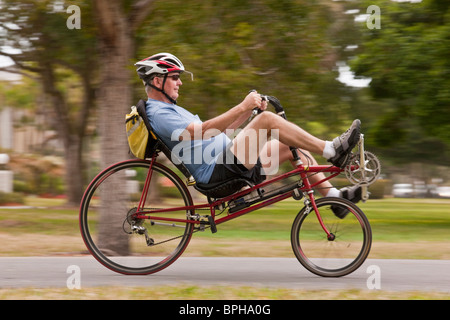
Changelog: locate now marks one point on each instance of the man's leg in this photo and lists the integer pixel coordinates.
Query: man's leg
(252, 143)
(283, 153)
(276, 151)
(249, 143)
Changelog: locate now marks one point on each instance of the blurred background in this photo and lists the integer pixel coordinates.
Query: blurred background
(67, 80)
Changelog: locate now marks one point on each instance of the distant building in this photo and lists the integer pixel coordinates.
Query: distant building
(6, 128)
(21, 130)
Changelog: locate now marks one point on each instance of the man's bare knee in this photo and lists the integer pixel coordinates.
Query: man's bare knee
(267, 120)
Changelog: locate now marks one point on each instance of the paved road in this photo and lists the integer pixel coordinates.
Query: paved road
(393, 275)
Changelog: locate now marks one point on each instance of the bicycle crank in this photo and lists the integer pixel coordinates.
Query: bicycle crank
(368, 168)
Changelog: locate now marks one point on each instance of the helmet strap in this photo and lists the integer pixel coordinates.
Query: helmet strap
(162, 90)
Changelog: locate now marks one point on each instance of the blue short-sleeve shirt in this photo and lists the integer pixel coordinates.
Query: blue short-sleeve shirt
(198, 155)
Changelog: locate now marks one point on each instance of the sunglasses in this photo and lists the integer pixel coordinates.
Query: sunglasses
(174, 77)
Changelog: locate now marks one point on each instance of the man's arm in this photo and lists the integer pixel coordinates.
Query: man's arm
(231, 119)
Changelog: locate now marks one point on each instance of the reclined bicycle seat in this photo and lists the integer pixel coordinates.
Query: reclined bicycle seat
(223, 188)
(155, 144)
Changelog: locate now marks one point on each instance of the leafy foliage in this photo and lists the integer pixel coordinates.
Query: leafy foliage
(285, 48)
(407, 60)
(276, 47)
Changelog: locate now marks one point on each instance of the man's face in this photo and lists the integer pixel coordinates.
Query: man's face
(172, 85)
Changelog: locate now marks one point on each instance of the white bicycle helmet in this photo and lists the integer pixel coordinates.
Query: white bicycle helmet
(160, 64)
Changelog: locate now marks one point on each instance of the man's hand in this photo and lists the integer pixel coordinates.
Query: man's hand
(254, 100)
(231, 119)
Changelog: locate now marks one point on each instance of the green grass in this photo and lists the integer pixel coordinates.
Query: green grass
(413, 228)
(391, 220)
(409, 219)
(49, 221)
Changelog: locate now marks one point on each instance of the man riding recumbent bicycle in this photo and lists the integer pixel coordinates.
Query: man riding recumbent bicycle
(138, 216)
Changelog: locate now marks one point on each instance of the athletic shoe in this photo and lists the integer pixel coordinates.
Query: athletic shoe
(350, 193)
(345, 144)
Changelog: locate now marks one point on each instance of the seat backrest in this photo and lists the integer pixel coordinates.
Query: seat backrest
(152, 143)
(155, 144)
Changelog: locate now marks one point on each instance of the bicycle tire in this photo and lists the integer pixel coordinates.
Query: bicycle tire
(132, 253)
(331, 257)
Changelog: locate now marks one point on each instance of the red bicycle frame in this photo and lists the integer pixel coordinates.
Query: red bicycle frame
(305, 187)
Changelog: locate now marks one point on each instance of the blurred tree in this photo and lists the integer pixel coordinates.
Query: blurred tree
(19, 95)
(117, 22)
(35, 36)
(408, 61)
(284, 48)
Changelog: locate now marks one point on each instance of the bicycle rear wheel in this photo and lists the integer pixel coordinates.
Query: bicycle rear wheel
(331, 257)
(113, 234)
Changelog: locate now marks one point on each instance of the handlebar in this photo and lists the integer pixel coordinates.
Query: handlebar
(277, 106)
(274, 102)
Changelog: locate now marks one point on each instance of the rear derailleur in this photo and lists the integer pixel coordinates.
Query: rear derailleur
(136, 226)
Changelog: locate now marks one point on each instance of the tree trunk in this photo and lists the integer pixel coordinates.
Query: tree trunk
(74, 179)
(114, 100)
(70, 133)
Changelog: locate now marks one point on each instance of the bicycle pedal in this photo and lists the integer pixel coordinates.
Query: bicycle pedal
(212, 224)
(297, 194)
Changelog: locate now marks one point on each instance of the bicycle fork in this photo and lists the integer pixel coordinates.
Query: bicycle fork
(310, 204)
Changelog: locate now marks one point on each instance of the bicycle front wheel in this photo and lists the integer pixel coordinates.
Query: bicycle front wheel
(113, 234)
(334, 256)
